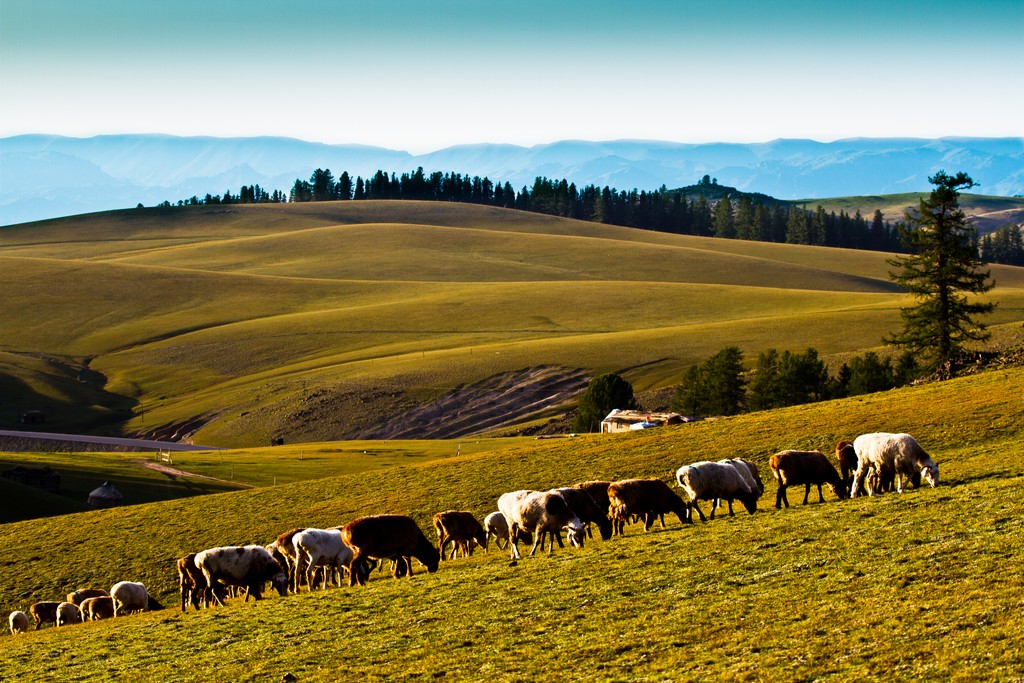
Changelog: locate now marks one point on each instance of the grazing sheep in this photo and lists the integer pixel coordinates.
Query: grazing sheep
(461, 529)
(598, 490)
(192, 582)
(131, 596)
(249, 567)
(315, 548)
(392, 537)
(286, 547)
(645, 498)
(587, 509)
(539, 513)
(18, 622)
(94, 609)
(710, 480)
(80, 596)
(792, 468)
(44, 613)
(68, 613)
(847, 459)
(750, 474)
(897, 455)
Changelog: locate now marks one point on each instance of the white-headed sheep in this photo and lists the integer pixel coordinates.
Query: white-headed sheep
(540, 513)
(898, 454)
(710, 480)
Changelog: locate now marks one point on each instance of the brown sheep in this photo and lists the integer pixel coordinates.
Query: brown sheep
(461, 529)
(646, 498)
(192, 582)
(387, 537)
(44, 613)
(79, 596)
(98, 608)
(286, 547)
(587, 509)
(792, 468)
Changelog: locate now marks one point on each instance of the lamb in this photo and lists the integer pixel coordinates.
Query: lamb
(387, 536)
(68, 613)
(249, 566)
(540, 513)
(94, 609)
(709, 480)
(18, 622)
(646, 498)
(44, 613)
(80, 596)
(461, 529)
(496, 526)
(131, 596)
(587, 509)
(899, 454)
(792, 468)
(320, 548)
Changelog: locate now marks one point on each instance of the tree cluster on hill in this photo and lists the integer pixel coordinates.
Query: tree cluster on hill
(1005, 246)
(247, 194)
(721, 386)
(706, 208)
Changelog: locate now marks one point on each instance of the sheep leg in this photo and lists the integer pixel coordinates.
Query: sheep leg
(821, 498)
(714, 506)
(538, 538)
(513, 540)
(699, 512)
(730, 507)
(780, 497)
(807, 492)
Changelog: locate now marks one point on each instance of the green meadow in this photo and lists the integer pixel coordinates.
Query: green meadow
(919, 586)
(234, 325)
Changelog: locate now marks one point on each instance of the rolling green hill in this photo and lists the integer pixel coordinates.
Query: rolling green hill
(318, 321)
(919, 586)
(987, 212)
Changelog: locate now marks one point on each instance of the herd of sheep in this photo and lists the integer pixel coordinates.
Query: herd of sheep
(872, 463)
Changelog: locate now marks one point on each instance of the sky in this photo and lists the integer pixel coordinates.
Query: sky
(421, 76)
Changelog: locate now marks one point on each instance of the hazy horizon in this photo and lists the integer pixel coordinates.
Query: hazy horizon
(423, 77)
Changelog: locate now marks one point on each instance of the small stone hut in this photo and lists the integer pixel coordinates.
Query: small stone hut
(105, 496)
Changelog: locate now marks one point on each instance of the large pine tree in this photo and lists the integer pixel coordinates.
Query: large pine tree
(943, 268)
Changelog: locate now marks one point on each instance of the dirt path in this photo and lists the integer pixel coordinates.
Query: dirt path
(175, 472)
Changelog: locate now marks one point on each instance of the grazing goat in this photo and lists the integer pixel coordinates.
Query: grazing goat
(461, 529)
(132, 596)
(793, 468)
(645, 498)
(44, 613)
(18, 622)
(80, 596)
(539, 513)
(321, 548)
(248, 567)
(392, 537)
(68, 613)
(898, 455)
(94, 609)
(587, 509)
(710, 480)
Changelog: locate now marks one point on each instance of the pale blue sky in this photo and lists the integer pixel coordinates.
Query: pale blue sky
(425, 75)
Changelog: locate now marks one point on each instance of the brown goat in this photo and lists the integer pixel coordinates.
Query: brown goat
(792, 468)
(461, 529)
(101, 607)
(646, 498)
(44, 613)
(387, 537)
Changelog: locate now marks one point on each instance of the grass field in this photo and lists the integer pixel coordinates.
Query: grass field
(919, 586)
(234, 325)
(987, 212)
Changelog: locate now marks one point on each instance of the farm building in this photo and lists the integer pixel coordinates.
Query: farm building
(105, 496)
(37, 477)
(625, 420)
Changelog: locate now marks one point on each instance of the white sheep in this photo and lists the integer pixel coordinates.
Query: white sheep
(320, 548)
(540, 513)
(710, 480)
(18, 621)
(68, 613)
(898, 455)
(131, 596)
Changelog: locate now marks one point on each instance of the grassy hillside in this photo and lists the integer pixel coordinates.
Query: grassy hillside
(923, 585)
(987, 212)
(234, 325)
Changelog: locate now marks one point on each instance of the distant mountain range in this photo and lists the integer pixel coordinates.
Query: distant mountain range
(46, 176)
